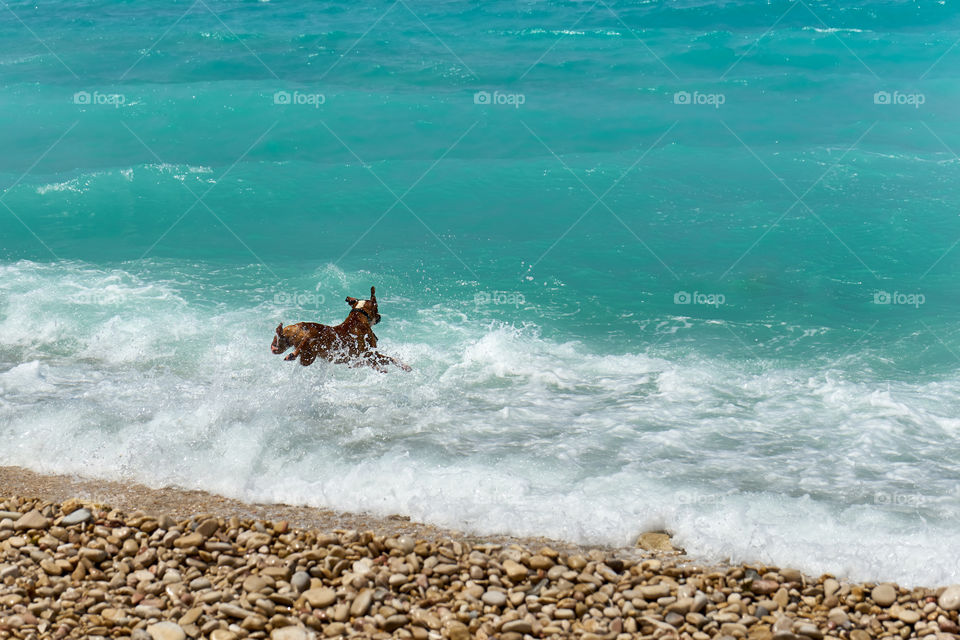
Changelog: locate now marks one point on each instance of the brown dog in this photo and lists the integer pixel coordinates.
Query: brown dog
(352, 341)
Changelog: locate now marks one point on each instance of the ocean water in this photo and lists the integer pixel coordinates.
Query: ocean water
(656, 265)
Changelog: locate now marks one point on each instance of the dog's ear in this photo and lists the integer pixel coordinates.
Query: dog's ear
(373, 294)
(280, 329)
(352, 301)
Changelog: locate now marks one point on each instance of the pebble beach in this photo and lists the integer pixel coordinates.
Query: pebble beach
(193, 565)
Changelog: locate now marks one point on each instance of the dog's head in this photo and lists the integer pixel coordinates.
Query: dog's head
(280, 341)
(366, 308)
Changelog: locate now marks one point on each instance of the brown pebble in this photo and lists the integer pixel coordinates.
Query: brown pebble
(884, 595)
(764, 587)
(514, 570)
(517, 626)
(655, 541)
(208, 527)
(321, 597)
(361, 603)
(31, 520)
(457, 631)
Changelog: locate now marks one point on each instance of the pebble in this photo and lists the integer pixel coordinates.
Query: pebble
(32, 520)
(809, 630)
(254, 584)
(540, 562)
(838, 617)
(783, 623)
(908, 616)
(300, 581)
(335, 629)
(764, 587)
(208, 527)
(517, 626)
(884, 595)
(146, 611)
(675, 619)
(655, 541)
(9, 571)
(234, 611)
(681, 606)
(362, 603)
(189, 540)
(514, 570)
(253, 539)
(950, 598)
(407, 544)
(653, 592)
(166, 631)
(199, 584)
(791, 575)
(830, 587)
(782, 598)
(458, 631)
(321, 597)
(495, 598)
(79, 516)
(190, 616)
(394, 622)
(948, 626)
(699, 603)
(113, 615)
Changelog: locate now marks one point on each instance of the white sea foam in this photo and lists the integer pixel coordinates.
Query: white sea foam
(834, 30)
(74, 185)
(83, 183)
(498, 428)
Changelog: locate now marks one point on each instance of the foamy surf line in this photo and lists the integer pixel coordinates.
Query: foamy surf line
(499, 430)
(183, 503)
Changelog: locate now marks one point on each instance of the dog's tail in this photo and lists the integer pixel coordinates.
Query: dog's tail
(373, 295)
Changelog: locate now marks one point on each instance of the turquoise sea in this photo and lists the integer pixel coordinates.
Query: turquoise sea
(656, 265)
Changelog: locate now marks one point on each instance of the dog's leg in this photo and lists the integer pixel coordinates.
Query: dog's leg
(402, 365)
(382, 360)
(293, 355)
(364, 361)
(395, 362)
(368, 359)
(307, 358)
